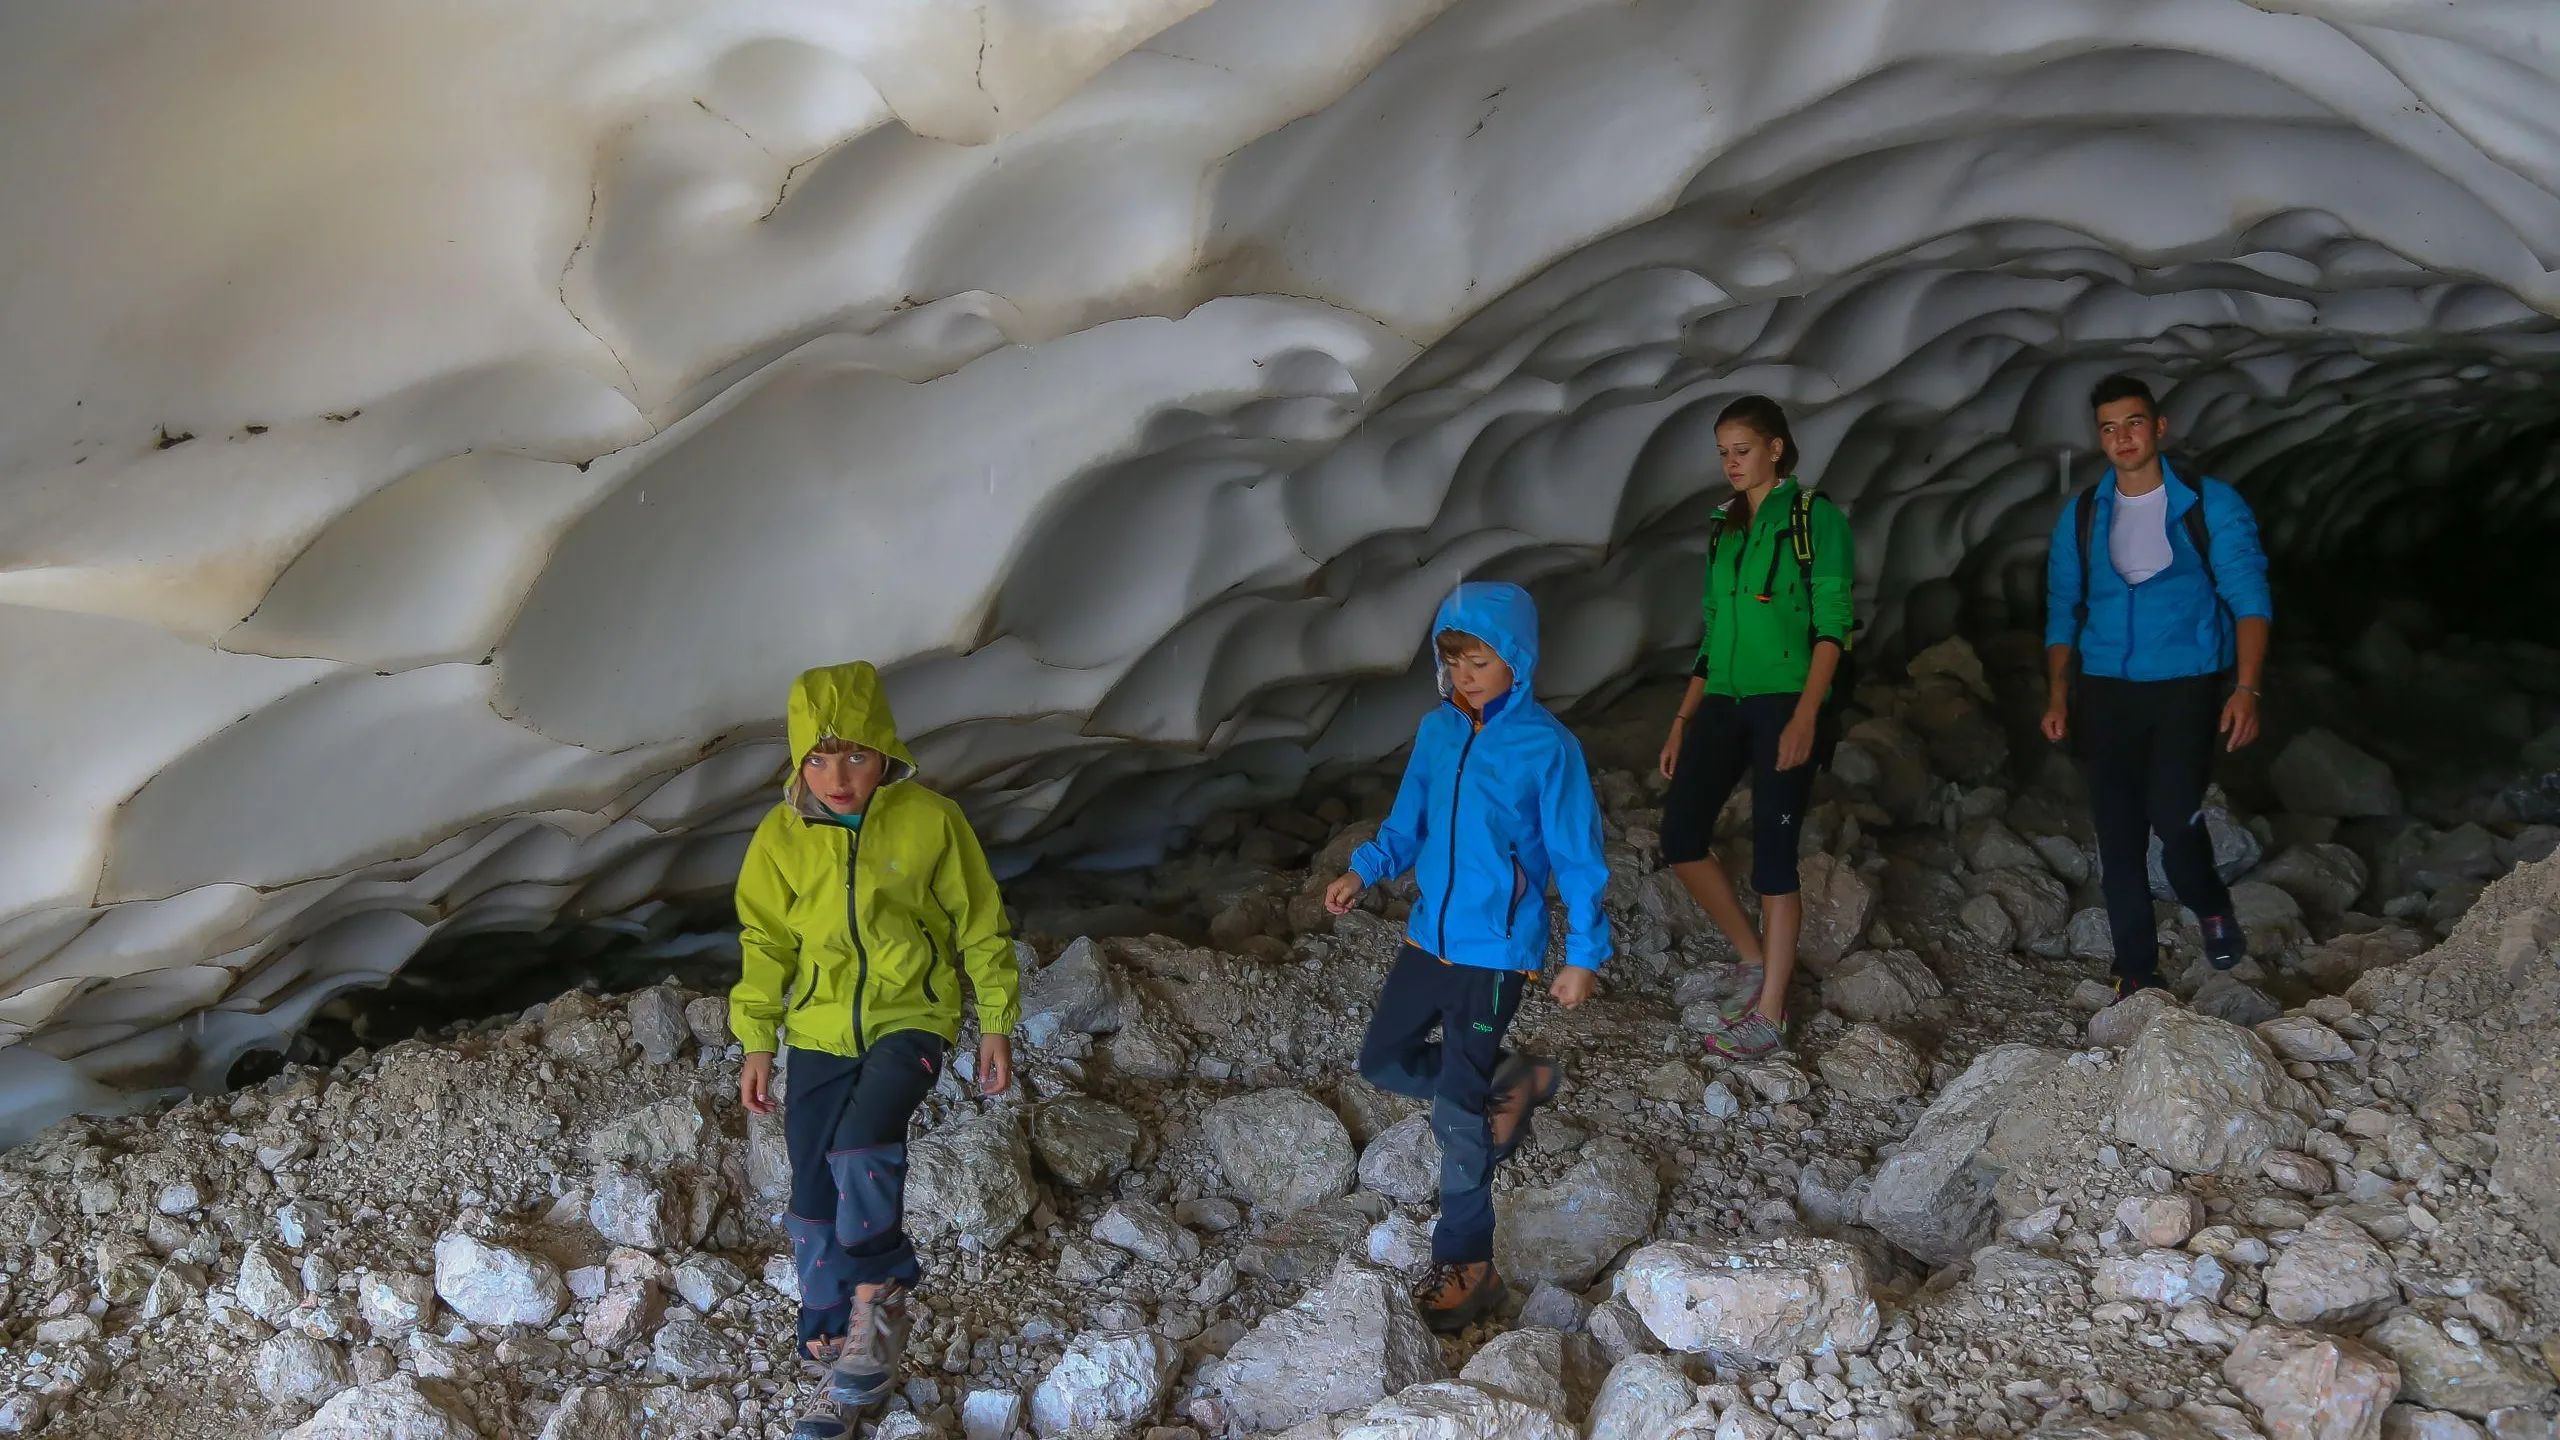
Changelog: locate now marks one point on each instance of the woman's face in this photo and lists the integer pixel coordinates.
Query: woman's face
(1751, 459)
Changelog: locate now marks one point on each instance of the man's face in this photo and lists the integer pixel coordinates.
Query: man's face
(844, 780)
(2130, 434)
(1478, 677)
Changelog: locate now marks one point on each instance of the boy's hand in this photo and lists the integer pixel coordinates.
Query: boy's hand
(1344, 893)
(995, 1064)
(755, 1083)
(1572, 986)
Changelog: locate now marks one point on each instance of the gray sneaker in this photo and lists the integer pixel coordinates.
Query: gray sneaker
(875, 1342)
(1746, 994)
(1753, 1037)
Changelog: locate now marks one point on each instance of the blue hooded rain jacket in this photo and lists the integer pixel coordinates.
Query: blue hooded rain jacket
(1487, 815)
(2177, 623)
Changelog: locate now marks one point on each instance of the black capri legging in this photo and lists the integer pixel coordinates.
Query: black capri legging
(1728, 738)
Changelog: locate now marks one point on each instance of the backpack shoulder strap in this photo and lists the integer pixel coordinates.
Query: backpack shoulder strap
(2200, 535)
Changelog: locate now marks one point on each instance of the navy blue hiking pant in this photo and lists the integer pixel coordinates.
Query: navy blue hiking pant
(2148, 748)
(1471, 1007)
(844, 1122)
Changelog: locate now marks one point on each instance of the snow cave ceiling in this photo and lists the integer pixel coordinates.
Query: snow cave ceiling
(431, 435)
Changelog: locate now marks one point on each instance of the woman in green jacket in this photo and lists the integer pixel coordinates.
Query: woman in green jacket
(1779, 572)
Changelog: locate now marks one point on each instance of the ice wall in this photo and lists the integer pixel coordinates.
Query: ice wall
(431, 434)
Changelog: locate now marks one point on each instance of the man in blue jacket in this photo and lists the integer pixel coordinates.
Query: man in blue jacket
(2158, 588)
(1496, 800)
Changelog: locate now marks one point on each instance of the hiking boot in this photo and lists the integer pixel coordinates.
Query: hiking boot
(820, 1353)
(875, 1341)
(1520, 1085)
(1456, 1294)
(1746, 995)
(1753, 1037)
(2224, 945)
(823, 1419)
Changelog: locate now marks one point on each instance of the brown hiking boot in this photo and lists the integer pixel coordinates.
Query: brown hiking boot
(1456, 1294)
(875, 1342)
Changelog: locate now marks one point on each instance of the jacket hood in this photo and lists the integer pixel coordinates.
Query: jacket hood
(1501, 615)
(843, 702)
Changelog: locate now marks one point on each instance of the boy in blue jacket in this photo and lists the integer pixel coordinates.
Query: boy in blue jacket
(1496, 801)
(2157, 615)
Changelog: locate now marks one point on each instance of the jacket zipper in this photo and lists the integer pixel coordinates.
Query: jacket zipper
(853, 922)
(1457, 790)
(1519, 892)
(932, 961)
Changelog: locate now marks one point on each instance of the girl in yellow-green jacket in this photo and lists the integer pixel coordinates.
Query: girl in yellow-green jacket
(863, 899)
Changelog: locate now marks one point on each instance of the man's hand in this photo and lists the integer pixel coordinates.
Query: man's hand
(755, 1083)
(2239, 719)
(2057, 719)
(1572, 986)
(1344, 893)
(995, 1064)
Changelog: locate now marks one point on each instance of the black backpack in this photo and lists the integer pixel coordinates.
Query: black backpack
(1799, 538)
(2084, 523)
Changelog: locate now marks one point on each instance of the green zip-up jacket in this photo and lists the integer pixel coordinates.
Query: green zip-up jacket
(850, 934)
(1757, 647)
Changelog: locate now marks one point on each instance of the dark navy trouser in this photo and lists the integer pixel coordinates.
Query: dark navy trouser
(2148, 748)
(844, 1122)
(1471, 1007)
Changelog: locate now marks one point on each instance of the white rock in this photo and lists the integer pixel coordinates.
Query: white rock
(688, 1351)
(1762, 1302)
(1641, 1398)
(1083, 1141)
(1352, 1341)
(1280, 1149)
(2462, 1373)
(706, 1280)
(1399, 1243)
(990, 1414)
(2204, 1096)
(1104, 1380)
(1866, 1063)
(782, 1277)
(2333, 1277)
(1933, 1197)
(268, 1287)
(658, 1024)
(300, 1370)
(2411, 1422)
(395, 1302)
(2299, 1037)
(653, 1136)
(1455, 1410)
(493, 1285)
(2161, 1277)
(1562, 1234)
(2160, 1220)
(1527, 1365)
(972, 1176)
(1403, 1163)
(2309, 1386)
(393, 1409)
(1148, 1231)
(596, 1412)
(631, 1209)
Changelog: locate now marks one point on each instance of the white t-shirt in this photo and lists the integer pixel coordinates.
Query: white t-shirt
(2138, 538)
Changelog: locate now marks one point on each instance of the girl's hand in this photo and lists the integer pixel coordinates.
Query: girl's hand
(1795, 743)
(1344, 893)
(2240, 719)
(1572, 986)
(755, 1083)
(1671, 745)
(995, 1064)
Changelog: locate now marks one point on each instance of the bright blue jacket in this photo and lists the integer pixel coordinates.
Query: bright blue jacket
(2177, 623)
(1487, 814)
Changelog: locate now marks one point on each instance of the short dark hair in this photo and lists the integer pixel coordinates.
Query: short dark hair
(1454, 643)
(1763, 415)
(2121, 386)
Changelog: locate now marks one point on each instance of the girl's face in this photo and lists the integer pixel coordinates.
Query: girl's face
(844, 780)
(1478, 677)
(1751, 459)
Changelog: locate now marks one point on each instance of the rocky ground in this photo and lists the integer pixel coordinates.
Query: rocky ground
(2316, 1197)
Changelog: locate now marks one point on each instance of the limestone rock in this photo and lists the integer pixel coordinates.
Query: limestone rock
(2324, 879)
(2120, 1024)
(658, 1024)
(1351, 1341)
(1987, 925)
(1620, 1332)
(1882, 986)
(1527, 1365)
(688, 1351)
(1148, 1231)
(2469, 1377)
(1403, 1164)
(2204, 1096)
(1083, 1141)
(394, 1302)
(2319, 773)
(2160, 1221)
(2169, 1278)
(1760, 1303)
(2302, 1174)
(624, 1316)
(1079, 991)
(708, 1019)
(2234, 1001)
(1562, 1234)
(394, 1409)
(1104, 1380)
(1280, 1149)
(298, 1369)
(706, 1281)
(1641, 1398)
(1987, 845)
(2333, 1277)
(2088, 937)
(1454, 1410)
(1838, 905)
(268, 1287)
(1933, 1198)
(631, 1209)
(2409, 1422)
(2037, 905)
(652, 1136)
(596, 1412)
(2300, 1037)
(493, 1285)
(972, 1176)
(1866, 1063)
(2236, 850)
(2309, 1386)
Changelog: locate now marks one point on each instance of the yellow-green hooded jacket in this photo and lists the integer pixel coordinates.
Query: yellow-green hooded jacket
(865, 932)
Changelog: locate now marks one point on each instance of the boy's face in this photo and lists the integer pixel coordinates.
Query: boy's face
(2130, 433)
(844, 780)
(1478, 676)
